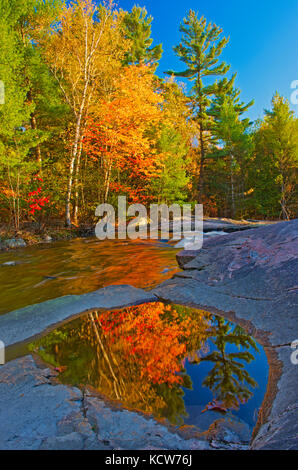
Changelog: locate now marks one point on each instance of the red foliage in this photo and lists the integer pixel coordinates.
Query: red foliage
(36, 199)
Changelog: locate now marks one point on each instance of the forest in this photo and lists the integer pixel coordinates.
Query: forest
(84, 118)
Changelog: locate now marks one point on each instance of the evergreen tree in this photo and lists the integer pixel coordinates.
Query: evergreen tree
(231, 139)
(273, 168)
(170, 186)
(16, 137)
(174, 143)
(73, 71)
(200, 49)
(281, 142)
(30, 97)
(228, 379)
(137, 28)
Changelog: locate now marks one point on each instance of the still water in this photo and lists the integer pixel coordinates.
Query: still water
(180, 364)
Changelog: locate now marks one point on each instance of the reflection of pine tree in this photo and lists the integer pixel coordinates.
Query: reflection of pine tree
(228, 379)
(174, 406)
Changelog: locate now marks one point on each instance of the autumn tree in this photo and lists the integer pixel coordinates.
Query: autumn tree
(78, 52)
(134, 355)
(276, 160)
(118, 137)
(85, 118)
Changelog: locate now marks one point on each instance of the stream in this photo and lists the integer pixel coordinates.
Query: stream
(78, 266)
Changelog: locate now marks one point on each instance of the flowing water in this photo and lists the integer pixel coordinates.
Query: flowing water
(79, 266)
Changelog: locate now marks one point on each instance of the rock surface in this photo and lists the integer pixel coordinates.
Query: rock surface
(37, 412)
(251, 278)
(10, 263)
(22, 324)
(228, 225)
(223, 225)
(14, 243)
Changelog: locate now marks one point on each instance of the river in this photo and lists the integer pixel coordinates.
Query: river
(78, 266)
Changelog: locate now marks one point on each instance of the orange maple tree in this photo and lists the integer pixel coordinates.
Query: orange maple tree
(118, 133)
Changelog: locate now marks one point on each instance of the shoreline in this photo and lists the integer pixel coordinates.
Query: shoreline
(10, 240)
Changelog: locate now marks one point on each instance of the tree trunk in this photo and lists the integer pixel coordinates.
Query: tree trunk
(37, 148)
(202, 161)
(33, 125)
(105, 355)
(285, 214)
(232, 188)
(107, 182)
(77, 139)
(76, 208)
(68, 194)
(201, 167)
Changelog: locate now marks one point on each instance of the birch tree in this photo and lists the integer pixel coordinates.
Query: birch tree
(77, 53)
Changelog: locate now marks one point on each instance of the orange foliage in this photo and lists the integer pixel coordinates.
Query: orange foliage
(117, 130)
(147, 334)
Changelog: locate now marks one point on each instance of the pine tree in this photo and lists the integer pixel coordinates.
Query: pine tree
(200, 49)
(137, 29)
(174, 144)
(228, 379)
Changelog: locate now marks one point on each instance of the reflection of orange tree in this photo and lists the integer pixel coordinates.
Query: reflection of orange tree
(134, 355)
(142, 348)
(146, 335)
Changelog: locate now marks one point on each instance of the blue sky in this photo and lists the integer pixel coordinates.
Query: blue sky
(263, 47)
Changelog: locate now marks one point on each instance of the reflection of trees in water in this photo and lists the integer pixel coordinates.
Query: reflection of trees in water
(136, 356)
(228, 379)
(141, 351)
